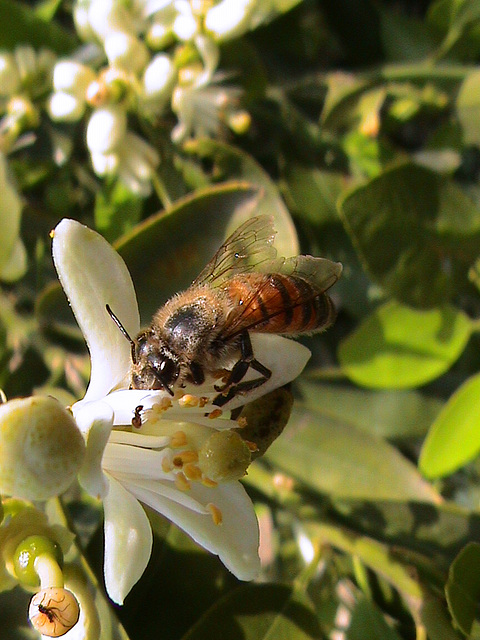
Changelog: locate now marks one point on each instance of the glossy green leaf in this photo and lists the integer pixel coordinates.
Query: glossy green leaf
(389, 414)
(314, 192)
(398, 347)
(463, 590)
(405, 224)
(259, 612)
(333, 457)
(468, 108)
(21, 25)
(454, 438)
(231, 163)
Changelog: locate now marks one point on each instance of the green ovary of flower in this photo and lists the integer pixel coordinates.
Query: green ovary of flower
(28, 551)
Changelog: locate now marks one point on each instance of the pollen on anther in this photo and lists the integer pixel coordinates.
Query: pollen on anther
(217, 516)
(178, 439)
(252, 446)
(189, 400)
(181, 482)
(242, 422)
(216, 413)
(192, 472)
(209, 483)
(166, 465)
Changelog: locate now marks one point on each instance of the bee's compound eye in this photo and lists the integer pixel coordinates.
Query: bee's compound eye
(168, 371)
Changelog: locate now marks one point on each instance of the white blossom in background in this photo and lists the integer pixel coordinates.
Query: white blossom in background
(161, 461)
(71, 81)
(13, 256)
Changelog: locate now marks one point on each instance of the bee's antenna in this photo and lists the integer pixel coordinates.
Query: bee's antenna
(124, 332)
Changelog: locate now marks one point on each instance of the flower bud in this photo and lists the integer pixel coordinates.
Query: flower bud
(231, 18)
(53, 611)
(41, 448)
(106, 128)
(65, 107)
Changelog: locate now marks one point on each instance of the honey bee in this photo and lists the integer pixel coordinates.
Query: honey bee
(244, 288)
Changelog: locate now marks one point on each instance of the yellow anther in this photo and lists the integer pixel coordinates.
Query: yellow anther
(217, 516)
(216, 413)
(242, 422)
(252, 446)
(184, 458)
(166, 465)
(181, 482)
(189, 400)
(209, 483)
(192, 472)
(178, 439)
(202, 401)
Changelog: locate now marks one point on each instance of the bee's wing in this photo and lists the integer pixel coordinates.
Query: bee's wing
(247, 249)
(320, 273)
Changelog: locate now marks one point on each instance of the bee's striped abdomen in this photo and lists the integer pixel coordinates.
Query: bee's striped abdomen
(277, 303)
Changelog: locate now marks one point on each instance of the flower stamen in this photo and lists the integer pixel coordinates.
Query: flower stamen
(181, 482)
(178, 439)
(217, 515)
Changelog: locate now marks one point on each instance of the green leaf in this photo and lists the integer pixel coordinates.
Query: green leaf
(117, 211)
(454, 438)
(259, 612)
(333, 457)
(468, 108)
(367, 621)
(463, 590)
(231, 163)
(389, 414)
(397, 347)
(21, 25)
(412, 228)
(314, 192)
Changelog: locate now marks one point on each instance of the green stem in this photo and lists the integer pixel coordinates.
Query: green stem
(161, 191)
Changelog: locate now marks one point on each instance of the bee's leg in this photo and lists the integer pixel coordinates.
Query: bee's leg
(234, 385)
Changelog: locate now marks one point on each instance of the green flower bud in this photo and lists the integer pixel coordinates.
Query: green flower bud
(41, 448)
(28, 551)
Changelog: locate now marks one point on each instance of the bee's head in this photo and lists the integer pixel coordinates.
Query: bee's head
(154, 366)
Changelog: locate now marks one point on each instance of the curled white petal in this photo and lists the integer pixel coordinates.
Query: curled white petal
(128, 541)
(92, 275)
(235, 540)
(95, 421)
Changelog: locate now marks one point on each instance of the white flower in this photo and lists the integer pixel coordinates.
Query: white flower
(106, 128)
(160, 462)
(157, 83)
(126, 52)
(133, 160)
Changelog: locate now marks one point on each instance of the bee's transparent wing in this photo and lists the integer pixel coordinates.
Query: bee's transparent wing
(321, 273)
(248, 249)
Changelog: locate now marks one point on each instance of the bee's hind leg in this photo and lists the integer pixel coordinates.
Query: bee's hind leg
(234, 384)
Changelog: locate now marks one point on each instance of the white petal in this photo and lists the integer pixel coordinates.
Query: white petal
(73, 77)
(92, 275)
(95, 421)
(235, 541)
(128, 541)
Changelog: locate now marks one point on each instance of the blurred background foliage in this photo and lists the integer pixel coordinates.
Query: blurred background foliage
(363, 141)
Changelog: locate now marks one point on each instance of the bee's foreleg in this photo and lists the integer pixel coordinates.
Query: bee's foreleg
(234, 382)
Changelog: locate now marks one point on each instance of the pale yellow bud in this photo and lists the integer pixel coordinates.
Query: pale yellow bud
(41, 448)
